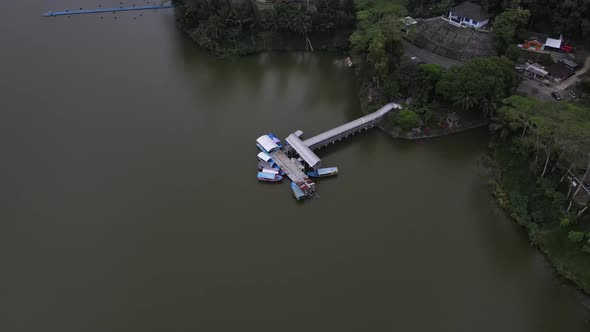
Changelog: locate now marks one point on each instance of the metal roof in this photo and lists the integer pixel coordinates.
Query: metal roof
(470, 10)
(267, 143)
(537, 70)
(555, 43)
(351, 125)
(264, 156)
(303, 150)
(568, 62)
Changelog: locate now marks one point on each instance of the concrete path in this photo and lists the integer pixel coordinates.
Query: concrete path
(427, 56)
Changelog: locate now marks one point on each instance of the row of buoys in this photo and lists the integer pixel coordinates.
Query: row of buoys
(100, 6)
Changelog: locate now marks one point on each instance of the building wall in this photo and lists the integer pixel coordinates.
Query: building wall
(465, 21)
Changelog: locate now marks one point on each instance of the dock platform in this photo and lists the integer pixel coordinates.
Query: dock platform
(293, 172)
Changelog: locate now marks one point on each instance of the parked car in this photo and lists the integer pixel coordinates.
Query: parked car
(556, 96)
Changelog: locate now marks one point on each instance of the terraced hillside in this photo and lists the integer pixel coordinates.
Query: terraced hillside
(441, 38)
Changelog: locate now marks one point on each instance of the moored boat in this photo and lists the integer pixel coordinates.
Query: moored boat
(297, 192)
(269, 177)
(264, 157)
(276, 139)
(321, 172)
(270, 170)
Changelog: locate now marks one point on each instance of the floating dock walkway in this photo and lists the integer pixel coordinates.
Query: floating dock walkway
(304, 149)
(105, 10)
(350, 128)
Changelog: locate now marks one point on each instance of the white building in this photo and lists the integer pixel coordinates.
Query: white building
(469, 15)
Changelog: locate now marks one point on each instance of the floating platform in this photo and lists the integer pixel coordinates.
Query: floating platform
(105, 10)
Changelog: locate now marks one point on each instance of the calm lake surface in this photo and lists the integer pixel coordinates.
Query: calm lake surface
(130, 202)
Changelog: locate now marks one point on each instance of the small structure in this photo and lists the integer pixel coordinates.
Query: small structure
(468, 14)
(569, 63)
(533, 44)
(408, 21)
(560, 72)
(452, 120)
(536, 70)
(554, 43)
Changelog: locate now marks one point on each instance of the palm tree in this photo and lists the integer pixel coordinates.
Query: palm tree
(464, 100)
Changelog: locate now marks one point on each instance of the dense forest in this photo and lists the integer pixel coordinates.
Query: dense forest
(227, 27)
(540, 149)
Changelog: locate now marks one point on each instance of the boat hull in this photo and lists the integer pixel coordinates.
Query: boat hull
(297, 192)
(269, 177)
(323, 172)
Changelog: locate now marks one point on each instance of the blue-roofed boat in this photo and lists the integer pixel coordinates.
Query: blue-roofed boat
(276, 139)
(264, 156)
(321, 172)
(269, 177)
(297, 192)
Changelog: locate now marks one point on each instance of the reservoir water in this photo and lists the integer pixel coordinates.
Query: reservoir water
(130, 201)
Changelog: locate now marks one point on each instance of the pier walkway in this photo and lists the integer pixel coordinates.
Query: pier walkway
(293, 172)
(105, 10)
(350, 128)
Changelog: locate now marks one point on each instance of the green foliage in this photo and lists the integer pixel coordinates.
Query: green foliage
(569, 17)
(418, 82)
(513, 52)
(576, 237)
(506, 26)
(565, 222)
(433, 71)
(407, 119)
(391, 89)
(548, 132)
(230, 29)
(375, 41)
(479, 84)
(519, 208)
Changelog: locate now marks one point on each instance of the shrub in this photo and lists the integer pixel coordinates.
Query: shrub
(565, 222)
(576, 237)
(407, 119)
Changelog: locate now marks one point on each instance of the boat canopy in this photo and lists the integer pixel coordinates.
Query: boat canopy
(270, 170)
(264, 175)
(267, 143)
(304, 151)
(329, 170)
(264, 156)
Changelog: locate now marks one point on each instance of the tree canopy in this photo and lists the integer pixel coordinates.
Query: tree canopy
(507, 24)
(378, 31)
(407, 119)
(479, 84)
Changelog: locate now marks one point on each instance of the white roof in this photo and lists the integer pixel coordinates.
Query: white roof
(264, 156)
(555, 43)
(537, 70)
(267, 143)
(303, 150)
(270, 170)
(298, 133)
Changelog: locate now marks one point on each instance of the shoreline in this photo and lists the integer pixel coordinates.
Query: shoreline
(493, 168)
